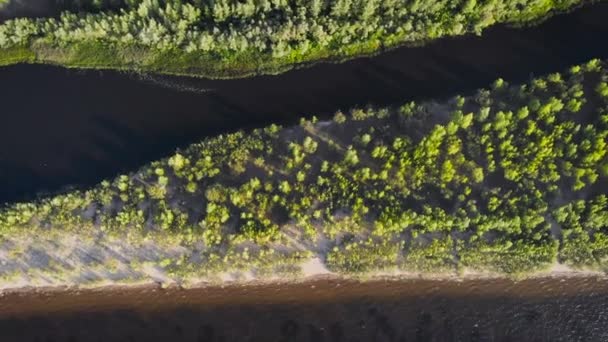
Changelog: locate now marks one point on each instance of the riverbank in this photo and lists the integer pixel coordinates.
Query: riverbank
(65, 262)
(312, 272)
(246, 62)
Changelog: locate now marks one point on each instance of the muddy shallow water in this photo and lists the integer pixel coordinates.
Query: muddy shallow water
(573, 309)
(66, 127)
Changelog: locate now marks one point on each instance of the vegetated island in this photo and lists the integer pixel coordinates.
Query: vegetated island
(230, 38)
(510, 181)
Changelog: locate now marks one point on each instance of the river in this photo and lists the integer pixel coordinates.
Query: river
(535, 310)
(65, 127)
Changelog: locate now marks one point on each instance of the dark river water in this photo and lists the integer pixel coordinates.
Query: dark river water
(541, 310)
(65, 127)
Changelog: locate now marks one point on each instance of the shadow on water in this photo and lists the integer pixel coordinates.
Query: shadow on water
(53, 8)
(415, 311)
(30, 8)
(64, 127)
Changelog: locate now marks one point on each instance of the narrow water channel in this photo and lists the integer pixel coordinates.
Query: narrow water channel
(325, 310)
(64, 127)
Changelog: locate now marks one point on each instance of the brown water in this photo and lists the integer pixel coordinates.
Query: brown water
(63, 127)
(322, 310)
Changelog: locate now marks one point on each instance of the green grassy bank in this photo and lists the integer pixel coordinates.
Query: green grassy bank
(511, 179)
(227, 39)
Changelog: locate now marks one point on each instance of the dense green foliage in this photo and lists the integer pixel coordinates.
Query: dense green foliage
(508, 180)
(227, 38)
(585, 231)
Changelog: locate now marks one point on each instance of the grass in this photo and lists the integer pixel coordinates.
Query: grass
(17, 55)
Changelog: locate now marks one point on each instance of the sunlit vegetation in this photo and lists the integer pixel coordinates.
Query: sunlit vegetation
(585, 231)
(510, 180)
(230, 38)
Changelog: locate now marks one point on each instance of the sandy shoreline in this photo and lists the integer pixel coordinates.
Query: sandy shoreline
(313, 271)
(65, 263)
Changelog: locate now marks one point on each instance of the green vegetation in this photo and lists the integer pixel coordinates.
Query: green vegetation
(585, 224)
(230, 38)
(509, 180)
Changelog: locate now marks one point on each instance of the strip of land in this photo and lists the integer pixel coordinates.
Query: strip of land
(510, 181)
(228, 39)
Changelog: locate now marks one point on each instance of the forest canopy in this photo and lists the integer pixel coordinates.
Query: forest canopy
(230, 38)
